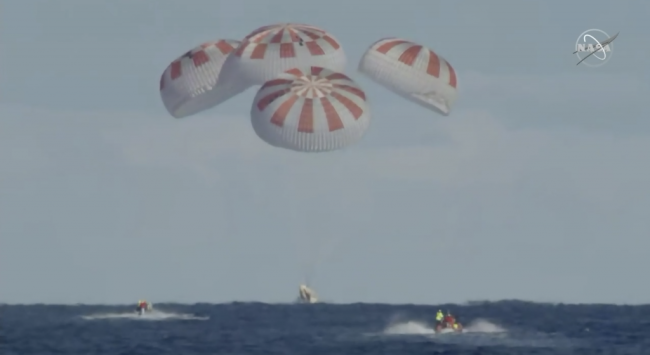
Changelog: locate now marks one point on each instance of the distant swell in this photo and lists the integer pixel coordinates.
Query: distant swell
(151, 316)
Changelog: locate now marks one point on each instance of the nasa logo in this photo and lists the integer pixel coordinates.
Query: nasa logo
(590, 41)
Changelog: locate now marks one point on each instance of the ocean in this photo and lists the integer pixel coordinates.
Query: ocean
(506, 327)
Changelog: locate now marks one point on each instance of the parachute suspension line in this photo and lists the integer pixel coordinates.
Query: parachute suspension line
(324, 239)
(311, 238)
(307, 240)
(296, 221)
(340, 118)
(329, 248)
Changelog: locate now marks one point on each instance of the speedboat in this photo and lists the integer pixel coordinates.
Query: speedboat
(448, 327)
(306, 295)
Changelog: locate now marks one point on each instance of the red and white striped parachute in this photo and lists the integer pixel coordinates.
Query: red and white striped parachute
(310, 110)
(189, 84)
(271, 50)
(413, 72)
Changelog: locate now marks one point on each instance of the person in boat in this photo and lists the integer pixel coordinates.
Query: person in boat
(452, 322)
(439, 318)
(449, 320)
(457, 326)
(142, 306)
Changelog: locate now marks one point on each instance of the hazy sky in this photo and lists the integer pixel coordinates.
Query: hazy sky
(535, 187)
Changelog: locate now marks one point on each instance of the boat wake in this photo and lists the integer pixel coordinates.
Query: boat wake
(422, 328)
(153, 315)
(479, 332)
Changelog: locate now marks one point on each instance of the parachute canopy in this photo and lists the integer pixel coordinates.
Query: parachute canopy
(413, 72)
(189, 84)
(271, 50)
(310, 110)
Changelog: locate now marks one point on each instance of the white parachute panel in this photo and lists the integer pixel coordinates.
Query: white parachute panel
(413, 72)
(271, 50)
(310, 110)
(191, 83)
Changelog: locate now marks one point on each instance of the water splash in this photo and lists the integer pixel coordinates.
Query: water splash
(483, 326)
(422, 328)
(409, 327)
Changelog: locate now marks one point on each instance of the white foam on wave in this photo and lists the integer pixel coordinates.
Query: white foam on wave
(422, 328)
(154, 315)
(479, 332)
(483, 326)
(409, 327)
